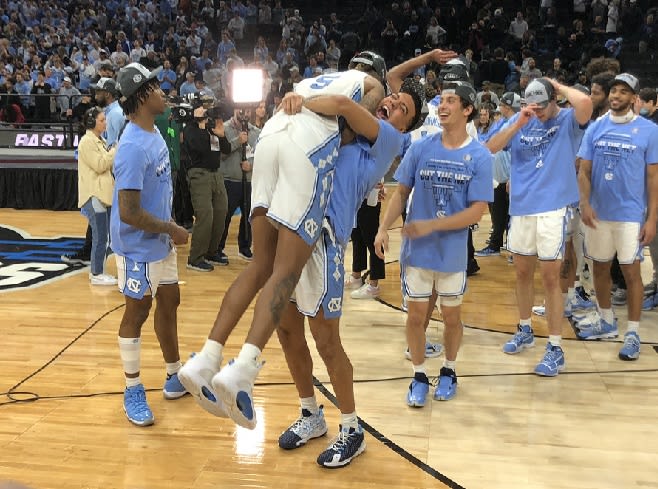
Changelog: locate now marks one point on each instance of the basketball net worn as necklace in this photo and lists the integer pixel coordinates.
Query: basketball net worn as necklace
(623, 119)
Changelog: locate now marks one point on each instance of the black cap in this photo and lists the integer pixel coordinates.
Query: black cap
(106, 84)
(131, 77)
(464, 89)
(453, 71)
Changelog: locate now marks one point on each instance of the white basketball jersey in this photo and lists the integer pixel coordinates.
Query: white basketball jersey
(318, 136)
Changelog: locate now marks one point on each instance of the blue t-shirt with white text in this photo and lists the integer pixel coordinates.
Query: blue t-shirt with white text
(444, 182)
(142, 163)
(619, 154)
(543, 174)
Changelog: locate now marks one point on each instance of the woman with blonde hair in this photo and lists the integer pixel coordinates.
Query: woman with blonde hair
(95, 188)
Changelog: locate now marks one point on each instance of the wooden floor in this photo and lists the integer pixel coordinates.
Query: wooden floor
(592, 427)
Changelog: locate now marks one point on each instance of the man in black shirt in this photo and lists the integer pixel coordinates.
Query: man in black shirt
(203, 145)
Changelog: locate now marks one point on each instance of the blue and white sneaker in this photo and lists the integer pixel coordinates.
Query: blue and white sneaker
(432, 350)
(196, 375)
(418, 390)
(447, 386)
(523, 338)
(650, 302)
(234, 385)
(631, 348)
(488, 251)
(581, 300)
(135, 405)
(598, 330)
(173, 389)
(349, 443)
(552, 363)
(306, 427)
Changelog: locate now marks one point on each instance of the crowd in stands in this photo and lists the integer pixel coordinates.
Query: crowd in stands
(51, 51)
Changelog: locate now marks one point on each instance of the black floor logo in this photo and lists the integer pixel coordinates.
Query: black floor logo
(26, 261)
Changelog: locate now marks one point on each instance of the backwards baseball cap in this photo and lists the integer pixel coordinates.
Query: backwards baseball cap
(131, 77)
(512, 100)
(372, 60)
(627, 79)
(540, 92)
(463, 89)
(106, 84)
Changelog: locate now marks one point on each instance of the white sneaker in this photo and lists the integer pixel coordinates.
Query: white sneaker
(234, 384)
(102, 279)
(196, 376)
(366, 291)
(353, 283)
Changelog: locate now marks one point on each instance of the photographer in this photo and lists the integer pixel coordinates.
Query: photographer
(235, 169)
(203, 140)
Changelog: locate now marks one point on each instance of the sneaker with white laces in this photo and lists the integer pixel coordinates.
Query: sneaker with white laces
(135, 405)
(234, 384)
(582, 299)
(631, 348)
(352, 282)
(432, 350)
(366, 291)
(650, 289)
(102, 279)
(418, 390)
(196, 375)
(349, 443)
(446, 388)
(585, 319)
(522, 339)
(305, 428)
(598, 330)
(552, 363)
(173, 389)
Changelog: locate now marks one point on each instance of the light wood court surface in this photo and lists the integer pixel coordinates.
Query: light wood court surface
(594, 426)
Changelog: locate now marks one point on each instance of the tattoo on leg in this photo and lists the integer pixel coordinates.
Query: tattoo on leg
(564, 269)
(282, 293)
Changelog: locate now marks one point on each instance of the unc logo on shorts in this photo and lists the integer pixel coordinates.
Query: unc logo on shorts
(334, 304)
(133, 285)
(311, 227)
(609, 176)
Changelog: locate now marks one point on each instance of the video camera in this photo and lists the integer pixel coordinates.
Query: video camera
(183, 111)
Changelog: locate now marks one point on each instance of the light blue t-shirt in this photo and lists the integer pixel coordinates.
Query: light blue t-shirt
(543, 176)
(619, 154)
(359, 167)
(444, 182)
(142, 163)
(115, 121)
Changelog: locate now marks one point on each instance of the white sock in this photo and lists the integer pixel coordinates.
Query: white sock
(349, 420)
(633, 326)
(172, 368)
(526, 322)
(451, 364)
(129, 349)
(576, 284)
(212, 350)
(571, 293)
(310, 404)
(420, 369)
(555, 339)
(607, 315)
(133, 381)
(249, 353)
